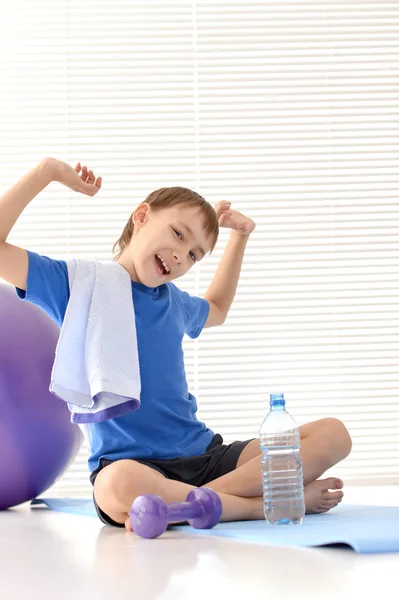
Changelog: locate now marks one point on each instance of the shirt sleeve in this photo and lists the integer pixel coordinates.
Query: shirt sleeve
(195, 311)
(47, 285)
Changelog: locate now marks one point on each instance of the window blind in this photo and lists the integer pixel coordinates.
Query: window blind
(287, 108)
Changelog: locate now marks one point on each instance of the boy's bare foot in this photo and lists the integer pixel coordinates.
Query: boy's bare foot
(319, 499)
(127, 524)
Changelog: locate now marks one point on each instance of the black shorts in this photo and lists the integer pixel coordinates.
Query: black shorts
(217, 460)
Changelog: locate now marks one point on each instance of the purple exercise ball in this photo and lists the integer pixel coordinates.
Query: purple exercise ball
(37, 439)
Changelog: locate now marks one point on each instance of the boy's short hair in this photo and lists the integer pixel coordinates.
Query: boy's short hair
(166, 198)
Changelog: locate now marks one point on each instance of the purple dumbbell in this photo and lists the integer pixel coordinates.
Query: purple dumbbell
(150, 515)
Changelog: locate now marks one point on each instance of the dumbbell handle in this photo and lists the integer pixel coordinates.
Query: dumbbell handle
(183, 511)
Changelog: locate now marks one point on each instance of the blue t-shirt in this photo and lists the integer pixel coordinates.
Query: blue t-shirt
(165, 426)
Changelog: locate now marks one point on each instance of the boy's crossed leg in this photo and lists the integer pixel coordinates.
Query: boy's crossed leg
(118, 484)
(324, 443)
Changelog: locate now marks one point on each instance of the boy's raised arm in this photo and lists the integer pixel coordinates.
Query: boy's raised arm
(222, 290)
(14, 260)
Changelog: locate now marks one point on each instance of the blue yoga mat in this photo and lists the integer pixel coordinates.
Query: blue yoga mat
(366, 529)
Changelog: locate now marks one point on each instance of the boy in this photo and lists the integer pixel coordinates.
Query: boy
(162, 448)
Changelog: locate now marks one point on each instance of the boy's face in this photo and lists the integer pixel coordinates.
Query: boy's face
(165, 244)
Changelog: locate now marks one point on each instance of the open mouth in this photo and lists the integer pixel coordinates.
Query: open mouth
(160, 265)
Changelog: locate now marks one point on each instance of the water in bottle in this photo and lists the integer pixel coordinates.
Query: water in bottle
(282, 479)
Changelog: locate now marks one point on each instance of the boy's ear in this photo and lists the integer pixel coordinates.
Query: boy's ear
(140, 215)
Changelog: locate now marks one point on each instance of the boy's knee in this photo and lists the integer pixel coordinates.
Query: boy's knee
(108, 497)
(114, 487)
(339, 434)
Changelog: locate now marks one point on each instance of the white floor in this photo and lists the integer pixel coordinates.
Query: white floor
(47, 555)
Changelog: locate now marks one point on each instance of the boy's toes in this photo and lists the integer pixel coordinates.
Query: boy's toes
(332, 495)
(128, 525)
(323, 494)
(333, 483)
(330, 502)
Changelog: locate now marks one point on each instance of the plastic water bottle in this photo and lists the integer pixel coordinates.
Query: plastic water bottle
(282, 478)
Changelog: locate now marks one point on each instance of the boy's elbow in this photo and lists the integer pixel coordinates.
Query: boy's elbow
(222, 317)
(216, 316)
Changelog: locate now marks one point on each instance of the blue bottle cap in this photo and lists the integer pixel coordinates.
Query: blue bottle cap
(277, 400)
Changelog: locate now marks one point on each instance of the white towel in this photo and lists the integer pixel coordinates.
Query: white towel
(96, 368)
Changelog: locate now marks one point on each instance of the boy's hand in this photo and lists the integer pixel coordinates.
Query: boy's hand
(233, 219)
(79, 179)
